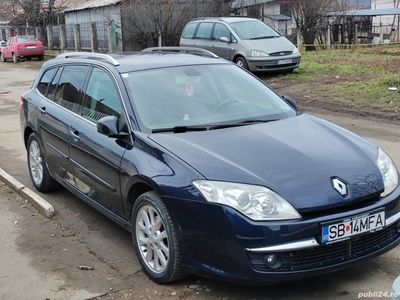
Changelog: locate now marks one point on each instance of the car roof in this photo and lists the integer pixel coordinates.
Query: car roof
(132, 62)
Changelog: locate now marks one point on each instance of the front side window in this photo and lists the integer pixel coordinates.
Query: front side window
(200, 96)
(220, 31)
(46, 80)
(101, 97)
(69, 89)
(204, 31)
(253, 30)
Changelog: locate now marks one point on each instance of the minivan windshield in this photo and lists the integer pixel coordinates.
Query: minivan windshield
(253, 30)
(202, 95)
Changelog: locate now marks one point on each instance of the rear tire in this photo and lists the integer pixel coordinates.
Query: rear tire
(156, 240)
(241, 62)
(41, 57)
(2, 58)
(38, 171)
(15, 59)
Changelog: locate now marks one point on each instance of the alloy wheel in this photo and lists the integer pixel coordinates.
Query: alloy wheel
(152, 239)
(36, 162)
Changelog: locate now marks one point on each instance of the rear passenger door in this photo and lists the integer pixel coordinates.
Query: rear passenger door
(61, 100)
(203, 35)
(96, 157)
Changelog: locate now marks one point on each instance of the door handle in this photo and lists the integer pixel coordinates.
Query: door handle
(75, 135)
(42, 110)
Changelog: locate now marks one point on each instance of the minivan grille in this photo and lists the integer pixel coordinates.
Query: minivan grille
(282, 53)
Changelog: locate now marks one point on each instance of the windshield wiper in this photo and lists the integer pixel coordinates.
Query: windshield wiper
(242, 123)
(264, 37)
(181, 129)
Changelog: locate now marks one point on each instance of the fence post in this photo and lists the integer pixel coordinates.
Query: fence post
(49, 30)
(298, 36)
(93, 37)
(356, 34)
(328, 37)
(381, 34)
(111, 37)
(63, 37)
(77, 37)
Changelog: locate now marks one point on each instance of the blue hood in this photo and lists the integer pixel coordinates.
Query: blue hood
(296, 157)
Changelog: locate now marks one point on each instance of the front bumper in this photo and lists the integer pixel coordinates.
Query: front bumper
(273, 63)
(221, 243)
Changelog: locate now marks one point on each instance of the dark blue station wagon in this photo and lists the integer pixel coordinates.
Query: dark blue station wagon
(211, 171)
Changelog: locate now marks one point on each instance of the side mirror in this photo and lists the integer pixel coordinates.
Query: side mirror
(224, 39)
(291, 102)
(108, 126)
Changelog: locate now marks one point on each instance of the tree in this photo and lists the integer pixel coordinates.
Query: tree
(147, 22)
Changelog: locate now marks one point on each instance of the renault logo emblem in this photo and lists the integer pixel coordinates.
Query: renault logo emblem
(340, 186)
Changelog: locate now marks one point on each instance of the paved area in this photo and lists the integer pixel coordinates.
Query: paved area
(39, 258)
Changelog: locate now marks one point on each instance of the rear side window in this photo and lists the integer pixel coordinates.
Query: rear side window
(70, 86)
(220, 31)
(44, 83)
(189, 30)
(53, 86)
(101, 98)
(204, 31)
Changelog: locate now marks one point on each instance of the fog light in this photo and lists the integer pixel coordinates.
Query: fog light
(273, 261)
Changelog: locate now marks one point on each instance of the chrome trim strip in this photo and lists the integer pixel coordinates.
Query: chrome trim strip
(393, 219)
(304, 244)
(90, 55)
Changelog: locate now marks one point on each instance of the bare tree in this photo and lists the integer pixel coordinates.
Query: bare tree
(146, 22)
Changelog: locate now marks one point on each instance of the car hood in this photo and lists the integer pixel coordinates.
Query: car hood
(279, 44)
(296, 157)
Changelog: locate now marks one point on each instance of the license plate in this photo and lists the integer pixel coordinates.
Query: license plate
(31, 47)
(352, 227)
(285, 61)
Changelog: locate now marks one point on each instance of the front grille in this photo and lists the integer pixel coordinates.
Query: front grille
(328, 255)
(266, 67)
(282, 53)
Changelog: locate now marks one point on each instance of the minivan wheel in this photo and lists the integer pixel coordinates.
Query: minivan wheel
(40, 176)
(155, 239)
(241, 62)
(15, 59)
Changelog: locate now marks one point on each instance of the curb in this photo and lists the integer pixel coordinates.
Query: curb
(41, 205)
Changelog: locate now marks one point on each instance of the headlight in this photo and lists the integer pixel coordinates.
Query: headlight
(389, 173)
(256, 202)
(258, 53)
(296, 50)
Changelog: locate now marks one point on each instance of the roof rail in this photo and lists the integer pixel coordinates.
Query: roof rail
(90, 55)
(188, 50)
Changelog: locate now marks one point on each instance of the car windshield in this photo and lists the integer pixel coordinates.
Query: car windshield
(26, 38)
(202, 95)
(253, 30)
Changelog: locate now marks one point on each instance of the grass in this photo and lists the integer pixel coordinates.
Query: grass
(359, 78)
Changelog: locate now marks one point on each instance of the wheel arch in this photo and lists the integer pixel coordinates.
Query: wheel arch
(27, 132)
(139, 185)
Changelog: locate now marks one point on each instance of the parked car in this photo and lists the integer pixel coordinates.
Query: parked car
(24, 46)
(211, 171)
(248, 42)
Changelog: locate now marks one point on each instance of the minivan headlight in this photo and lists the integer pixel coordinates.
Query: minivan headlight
(258, 53)
(296, 50)
(256, 202)
(388, 171)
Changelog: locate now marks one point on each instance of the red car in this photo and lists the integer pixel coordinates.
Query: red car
(25, 46)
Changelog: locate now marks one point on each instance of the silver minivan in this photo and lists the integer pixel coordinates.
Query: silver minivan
(248, 42)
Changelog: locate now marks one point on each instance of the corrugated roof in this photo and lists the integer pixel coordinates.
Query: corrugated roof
(81, 5)
(279, 17)
(245, 3)
(366, 12)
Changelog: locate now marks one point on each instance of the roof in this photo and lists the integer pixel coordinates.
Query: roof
(144, 61)
(245, 3)
(279, 17)
(366, 12)
(87, 4)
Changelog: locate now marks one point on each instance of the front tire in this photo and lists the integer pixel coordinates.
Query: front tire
(241, 62)
(40, 176)
(15, 58)
(155, 239)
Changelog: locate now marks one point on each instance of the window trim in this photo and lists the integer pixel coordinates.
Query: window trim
(51, 80)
